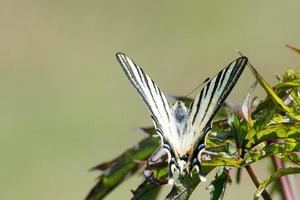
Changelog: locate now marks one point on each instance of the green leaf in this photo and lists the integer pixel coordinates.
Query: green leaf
(183, 188)
(274, 176)
(156, 175)
(273, 95)
(239, 130)
(262, 120)
(150, 130)
(275, 187)
(288, 85)
(275, 131)
(146, 191)
(218, 185)
(294, 157)
(222, 161)
(115, 171)
(268, 150)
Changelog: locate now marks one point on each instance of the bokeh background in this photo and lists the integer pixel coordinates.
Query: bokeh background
(66, 105)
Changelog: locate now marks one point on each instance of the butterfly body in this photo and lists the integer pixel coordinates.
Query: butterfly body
(183, 149)
(183, 129)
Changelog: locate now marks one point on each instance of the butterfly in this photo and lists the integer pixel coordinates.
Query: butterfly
(183, 129)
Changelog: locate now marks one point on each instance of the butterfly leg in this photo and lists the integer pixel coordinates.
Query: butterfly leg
(171, 170)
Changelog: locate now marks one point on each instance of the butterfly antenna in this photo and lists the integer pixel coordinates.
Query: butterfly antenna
(239, 52)
(196, 88)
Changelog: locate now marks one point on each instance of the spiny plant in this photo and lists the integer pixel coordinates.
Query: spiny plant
(239, 137)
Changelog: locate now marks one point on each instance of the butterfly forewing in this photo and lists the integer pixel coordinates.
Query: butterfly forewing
(152, 96)
(210, 99)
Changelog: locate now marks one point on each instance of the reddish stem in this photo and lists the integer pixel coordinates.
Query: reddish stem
(256, 182)
(284, 182)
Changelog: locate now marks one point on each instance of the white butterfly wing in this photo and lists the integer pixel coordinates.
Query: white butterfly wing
(201, 112)
(210, 99)
(152, 96)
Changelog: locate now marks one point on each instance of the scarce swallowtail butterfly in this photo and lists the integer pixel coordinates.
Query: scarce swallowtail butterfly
(183, 129)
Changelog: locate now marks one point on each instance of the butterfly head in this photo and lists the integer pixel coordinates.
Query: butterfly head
(180, 112)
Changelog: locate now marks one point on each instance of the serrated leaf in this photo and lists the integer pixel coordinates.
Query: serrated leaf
(268, 150)
(222, 161)
(218, 185)
(291, 75)
(239, 130)
(294, 157)
(263, 119)
(183, 189)
(275, 186)
(274, 176)
(121, 167)
(273, 95)
(288, 85)
(274, 131)
(149, 130)
(146, 191)
(156, 174)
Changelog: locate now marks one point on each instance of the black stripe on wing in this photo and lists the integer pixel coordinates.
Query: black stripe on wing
(149, 91)
(212, 96)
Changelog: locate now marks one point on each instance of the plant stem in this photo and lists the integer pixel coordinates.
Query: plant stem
(255, 180)
(283, 181)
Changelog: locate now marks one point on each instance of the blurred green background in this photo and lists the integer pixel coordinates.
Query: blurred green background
(66, 105)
